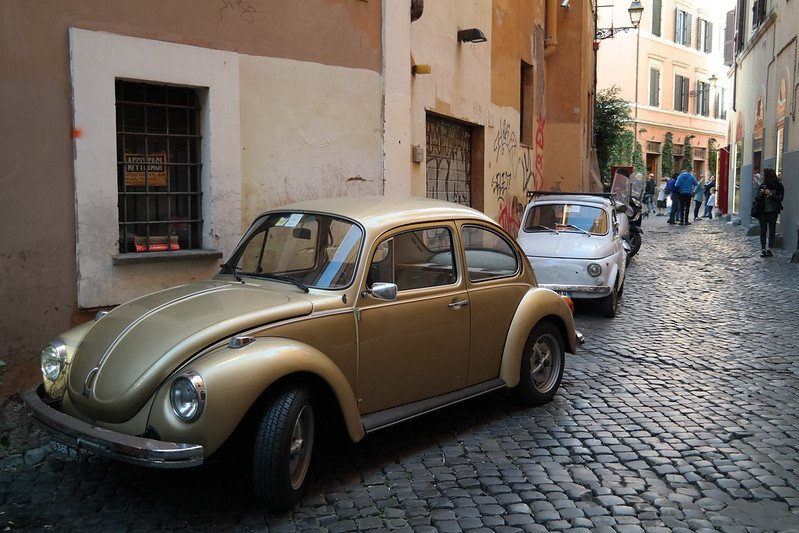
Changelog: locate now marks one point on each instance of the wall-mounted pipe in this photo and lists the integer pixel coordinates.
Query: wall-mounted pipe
(551, 17)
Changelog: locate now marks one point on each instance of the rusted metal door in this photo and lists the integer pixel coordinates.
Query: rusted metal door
(449, 160)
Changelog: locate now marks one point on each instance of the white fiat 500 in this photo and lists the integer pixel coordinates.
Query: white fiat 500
(573, 242)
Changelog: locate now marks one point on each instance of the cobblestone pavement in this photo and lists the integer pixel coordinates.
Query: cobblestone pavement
(681, 414)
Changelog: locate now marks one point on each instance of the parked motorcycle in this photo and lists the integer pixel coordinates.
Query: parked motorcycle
(628, 194)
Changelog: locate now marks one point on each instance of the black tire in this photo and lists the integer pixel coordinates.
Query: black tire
(542, 365)
(610, 303)
(635, 242)
(283, 449)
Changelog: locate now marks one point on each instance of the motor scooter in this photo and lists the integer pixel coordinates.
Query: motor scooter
(628, 195)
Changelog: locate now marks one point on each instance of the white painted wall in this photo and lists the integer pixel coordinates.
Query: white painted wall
(307, 131)
(97, 59)
(397, 99)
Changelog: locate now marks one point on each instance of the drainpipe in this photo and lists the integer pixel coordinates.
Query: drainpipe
(551, 40)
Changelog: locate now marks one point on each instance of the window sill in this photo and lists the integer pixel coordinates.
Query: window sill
(159, 257)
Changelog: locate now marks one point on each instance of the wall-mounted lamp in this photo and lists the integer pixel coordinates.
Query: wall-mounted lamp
(565, 5)
(421, 69)
(713, 80)
(472, 35)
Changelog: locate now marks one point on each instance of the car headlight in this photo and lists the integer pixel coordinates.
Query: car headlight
(595, 269)
(53, 359)
(187, 396)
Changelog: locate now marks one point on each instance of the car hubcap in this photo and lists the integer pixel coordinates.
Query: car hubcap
(544, 363)
(301, 446)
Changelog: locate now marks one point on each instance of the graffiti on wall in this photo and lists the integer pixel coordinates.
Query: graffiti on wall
(519, 169)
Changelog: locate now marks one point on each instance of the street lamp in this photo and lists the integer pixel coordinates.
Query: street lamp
(635, 10)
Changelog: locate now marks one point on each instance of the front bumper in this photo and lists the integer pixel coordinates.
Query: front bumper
(81, 437)
(579, 291)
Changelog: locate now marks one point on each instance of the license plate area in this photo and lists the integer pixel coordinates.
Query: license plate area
(70, 450)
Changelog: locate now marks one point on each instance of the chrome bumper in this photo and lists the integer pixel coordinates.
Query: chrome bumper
(579, 291)
(78, 436)
(580, 338)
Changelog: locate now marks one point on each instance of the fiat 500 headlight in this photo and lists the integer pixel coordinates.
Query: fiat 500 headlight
(53, 359)
(187, 396)
(594, 269)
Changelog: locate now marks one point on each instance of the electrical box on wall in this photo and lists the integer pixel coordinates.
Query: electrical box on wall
(417, 153)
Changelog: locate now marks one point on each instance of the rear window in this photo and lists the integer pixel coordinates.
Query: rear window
(566, 217)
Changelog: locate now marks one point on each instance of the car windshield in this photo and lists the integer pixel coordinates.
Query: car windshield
(306, 249)
(566, 217)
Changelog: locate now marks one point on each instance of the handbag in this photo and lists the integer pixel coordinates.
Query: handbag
(756, 206)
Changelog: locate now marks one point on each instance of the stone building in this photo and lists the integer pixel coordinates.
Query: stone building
(671, 71)
(142, 137)
(763, 59)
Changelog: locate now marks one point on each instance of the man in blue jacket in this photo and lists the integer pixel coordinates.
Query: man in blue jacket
(685, 184)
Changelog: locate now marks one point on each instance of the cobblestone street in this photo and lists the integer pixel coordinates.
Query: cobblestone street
(680, 414)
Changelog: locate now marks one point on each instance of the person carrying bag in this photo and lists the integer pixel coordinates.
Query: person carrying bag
(766, 208)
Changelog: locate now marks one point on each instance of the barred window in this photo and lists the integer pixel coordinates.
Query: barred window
(158, 167)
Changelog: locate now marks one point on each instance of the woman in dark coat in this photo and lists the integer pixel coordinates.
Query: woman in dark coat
(766, 207)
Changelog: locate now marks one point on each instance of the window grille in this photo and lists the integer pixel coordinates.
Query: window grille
(158, 167)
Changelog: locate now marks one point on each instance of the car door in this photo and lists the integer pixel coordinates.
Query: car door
(491, 264)
(415, 346)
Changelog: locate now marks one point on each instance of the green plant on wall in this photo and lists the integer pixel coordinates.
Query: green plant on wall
(667, 155)
(638, 159)
(688, 154)
(712, 157)
(611, 117)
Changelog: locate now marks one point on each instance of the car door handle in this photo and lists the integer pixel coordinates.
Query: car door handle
(459, 304)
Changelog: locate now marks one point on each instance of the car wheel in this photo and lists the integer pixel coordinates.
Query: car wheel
(542, 365)
(610, 303)
(283, 448)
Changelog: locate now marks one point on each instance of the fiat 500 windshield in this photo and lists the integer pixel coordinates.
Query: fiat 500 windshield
(305, 249)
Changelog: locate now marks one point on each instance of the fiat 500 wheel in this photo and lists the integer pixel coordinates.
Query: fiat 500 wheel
(610, 303)
(542, 365)
(283, 448)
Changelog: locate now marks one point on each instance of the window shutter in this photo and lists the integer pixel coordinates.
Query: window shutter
(657, 6)
(677, 26)
(654, 87)
(709, 38)
(677, 93)
(729, 38)
(698, 98)
(699, 34)
(685, 86)
(687, 31)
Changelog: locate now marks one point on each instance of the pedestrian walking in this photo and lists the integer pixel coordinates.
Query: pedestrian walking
(766, 208)
(661, 204)
(710, 204)
(674, 196)
(699, 197)
(685, 188)
(649, 193)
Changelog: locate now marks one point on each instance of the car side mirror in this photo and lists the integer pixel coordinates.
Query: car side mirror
(384, 291)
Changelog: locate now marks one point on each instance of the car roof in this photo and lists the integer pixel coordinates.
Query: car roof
(380, 212)
(572, 198)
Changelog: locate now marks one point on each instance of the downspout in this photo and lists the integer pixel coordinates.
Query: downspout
(551, 39)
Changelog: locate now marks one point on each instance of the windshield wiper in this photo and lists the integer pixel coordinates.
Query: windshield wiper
(539, 227)
(572, 226)
(230, 269)
(281, 277)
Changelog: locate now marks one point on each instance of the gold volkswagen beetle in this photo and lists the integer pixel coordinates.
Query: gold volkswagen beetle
(367, 311)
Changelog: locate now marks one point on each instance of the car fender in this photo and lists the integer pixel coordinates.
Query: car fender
(234, 380)
(537, 304)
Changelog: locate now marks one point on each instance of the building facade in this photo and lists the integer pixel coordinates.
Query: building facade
(762, 55)
(147, 135)
(670, 69)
